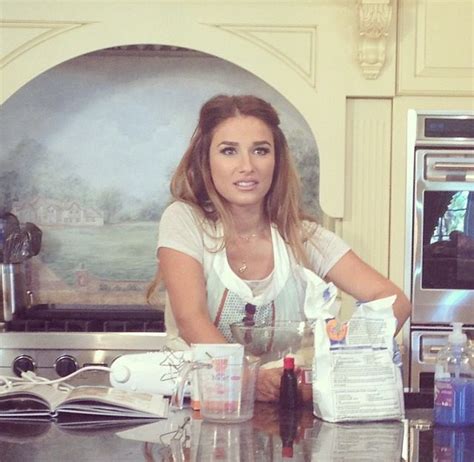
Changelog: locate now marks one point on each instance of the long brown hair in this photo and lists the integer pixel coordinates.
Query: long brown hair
(192, 182)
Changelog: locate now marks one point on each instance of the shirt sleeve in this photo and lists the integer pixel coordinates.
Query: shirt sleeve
(179, 230)
(324, 250)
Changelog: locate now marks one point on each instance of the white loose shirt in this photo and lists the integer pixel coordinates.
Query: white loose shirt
(281, 297)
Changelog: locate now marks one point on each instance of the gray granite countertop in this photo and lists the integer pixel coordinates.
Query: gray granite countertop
(185, 437)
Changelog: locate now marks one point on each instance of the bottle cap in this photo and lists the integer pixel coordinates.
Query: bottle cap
(289, 362)
(456, 337)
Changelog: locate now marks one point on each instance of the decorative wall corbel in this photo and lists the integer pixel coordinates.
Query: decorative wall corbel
(374, 22)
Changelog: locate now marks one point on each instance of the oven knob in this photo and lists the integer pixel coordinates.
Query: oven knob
(65, 365)
(23, 363)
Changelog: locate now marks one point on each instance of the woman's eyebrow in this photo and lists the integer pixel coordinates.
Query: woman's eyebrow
(228, 143)
(235, 143)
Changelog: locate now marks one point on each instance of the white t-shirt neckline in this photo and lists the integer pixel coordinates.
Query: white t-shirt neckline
(234, 283)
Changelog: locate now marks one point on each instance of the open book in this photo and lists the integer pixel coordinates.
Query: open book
(36, 401)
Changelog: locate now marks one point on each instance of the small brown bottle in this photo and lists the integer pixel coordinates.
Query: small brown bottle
(289, 419)
(288, 385)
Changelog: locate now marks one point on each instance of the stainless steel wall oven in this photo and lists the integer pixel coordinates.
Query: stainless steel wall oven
(440, 238)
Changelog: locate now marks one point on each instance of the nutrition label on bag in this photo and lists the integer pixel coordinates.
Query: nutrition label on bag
(355, 376)
(364, 382)
(361, 330)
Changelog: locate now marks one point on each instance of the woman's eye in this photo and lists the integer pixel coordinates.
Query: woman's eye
(262, 151)
(227, 151)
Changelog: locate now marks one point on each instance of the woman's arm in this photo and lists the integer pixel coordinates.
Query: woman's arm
(184, 281)
(357, 278)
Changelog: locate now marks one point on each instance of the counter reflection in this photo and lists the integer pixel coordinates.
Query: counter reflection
(270, 436)
(274, 435)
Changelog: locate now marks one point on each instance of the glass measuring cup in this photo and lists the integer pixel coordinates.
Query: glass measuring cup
(226, 388)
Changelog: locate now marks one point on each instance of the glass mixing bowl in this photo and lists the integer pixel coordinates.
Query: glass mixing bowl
(273, 342)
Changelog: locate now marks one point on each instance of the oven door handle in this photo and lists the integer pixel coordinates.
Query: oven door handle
(435, 349)
(457, 166)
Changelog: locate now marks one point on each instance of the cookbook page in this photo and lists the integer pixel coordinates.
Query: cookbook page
(111, 401)
(31, 400)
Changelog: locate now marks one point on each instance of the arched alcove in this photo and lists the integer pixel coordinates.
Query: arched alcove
(284, 56)
(88, 150)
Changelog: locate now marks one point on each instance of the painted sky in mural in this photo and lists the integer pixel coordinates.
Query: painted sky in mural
(121, 122)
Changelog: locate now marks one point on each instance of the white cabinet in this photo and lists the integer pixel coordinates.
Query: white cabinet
(436, 47)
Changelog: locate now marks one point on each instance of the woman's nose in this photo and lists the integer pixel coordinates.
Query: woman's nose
(245, 164)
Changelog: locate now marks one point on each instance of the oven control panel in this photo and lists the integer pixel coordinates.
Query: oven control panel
(54, 355)
(52, 364)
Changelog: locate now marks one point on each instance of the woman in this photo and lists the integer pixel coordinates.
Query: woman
(234, 242)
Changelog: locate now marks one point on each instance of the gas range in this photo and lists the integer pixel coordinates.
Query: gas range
(56, 340)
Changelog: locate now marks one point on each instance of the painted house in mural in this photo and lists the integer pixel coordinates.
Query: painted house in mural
(44, 211)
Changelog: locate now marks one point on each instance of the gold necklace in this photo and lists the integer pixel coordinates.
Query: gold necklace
(243, 265)
(247, 238)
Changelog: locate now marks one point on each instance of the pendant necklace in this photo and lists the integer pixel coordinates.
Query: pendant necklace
(246, 239)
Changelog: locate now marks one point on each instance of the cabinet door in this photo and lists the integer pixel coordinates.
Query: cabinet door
(436, 47)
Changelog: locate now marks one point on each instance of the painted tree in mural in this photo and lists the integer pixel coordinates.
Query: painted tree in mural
(29, 170)
(111, 203)
(307, 162)
(17, 169)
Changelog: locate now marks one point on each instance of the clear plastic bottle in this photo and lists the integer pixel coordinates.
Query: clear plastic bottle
(453, 444)
(454, 381)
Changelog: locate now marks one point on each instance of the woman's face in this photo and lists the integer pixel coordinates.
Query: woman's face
(242, 160)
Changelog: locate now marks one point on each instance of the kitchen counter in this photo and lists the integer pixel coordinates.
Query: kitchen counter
(185, 437)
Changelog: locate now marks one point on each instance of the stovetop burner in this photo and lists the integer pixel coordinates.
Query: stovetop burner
(88, 318)
(53, 340)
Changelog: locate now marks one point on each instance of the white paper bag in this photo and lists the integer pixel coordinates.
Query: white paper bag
(355, 377)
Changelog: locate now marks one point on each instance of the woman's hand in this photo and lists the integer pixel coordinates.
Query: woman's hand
(368, 284)
(268, 384)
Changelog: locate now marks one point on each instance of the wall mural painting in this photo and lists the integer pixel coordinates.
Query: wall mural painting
(87, 152)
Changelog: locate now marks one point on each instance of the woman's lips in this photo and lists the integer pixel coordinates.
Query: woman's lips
(246, 185)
